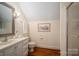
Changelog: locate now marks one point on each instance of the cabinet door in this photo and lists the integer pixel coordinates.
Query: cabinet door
(11, 51)
(25, 47)
(1, 53)
(20, 49)
(25, 50)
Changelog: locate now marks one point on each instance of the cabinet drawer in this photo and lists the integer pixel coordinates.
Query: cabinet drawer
(20, 44)
(25, 46)
(25, 41)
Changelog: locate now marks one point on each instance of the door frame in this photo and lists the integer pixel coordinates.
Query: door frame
(63, 27)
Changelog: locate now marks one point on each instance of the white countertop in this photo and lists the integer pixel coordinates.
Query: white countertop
(14, 41)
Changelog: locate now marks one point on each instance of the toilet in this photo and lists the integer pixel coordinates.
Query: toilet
(31, 46)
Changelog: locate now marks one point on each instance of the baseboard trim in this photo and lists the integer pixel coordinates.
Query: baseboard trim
(63, 53)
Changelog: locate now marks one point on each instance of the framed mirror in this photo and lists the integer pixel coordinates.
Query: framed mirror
(7, 26)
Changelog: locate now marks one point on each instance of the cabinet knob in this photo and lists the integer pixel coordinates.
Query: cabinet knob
(78, 36)
(15, 47)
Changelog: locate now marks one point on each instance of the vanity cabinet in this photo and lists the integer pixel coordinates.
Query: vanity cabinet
(17, 49)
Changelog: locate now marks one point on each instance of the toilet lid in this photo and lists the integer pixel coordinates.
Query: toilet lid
(31, 42)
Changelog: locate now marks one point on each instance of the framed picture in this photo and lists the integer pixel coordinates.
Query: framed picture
(44, 27)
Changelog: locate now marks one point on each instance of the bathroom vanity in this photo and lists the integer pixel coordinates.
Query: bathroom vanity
(14, 47)
(11, 47)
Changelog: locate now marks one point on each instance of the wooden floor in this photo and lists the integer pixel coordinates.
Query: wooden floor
(45, 52)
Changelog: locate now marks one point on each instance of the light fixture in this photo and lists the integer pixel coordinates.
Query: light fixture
(16, 13)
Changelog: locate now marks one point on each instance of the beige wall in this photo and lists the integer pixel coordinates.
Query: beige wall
(50, 39)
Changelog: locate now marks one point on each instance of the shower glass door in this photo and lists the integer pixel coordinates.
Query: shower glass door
(73, 29)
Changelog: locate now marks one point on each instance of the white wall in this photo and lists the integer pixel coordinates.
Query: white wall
(45, 12)
(35, 11)
(50, 39)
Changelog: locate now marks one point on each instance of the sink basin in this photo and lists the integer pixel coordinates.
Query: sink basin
(6, 42)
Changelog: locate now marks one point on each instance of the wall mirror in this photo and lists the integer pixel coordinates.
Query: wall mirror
(6, 19)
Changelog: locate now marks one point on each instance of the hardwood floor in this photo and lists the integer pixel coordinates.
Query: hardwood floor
(45, 52)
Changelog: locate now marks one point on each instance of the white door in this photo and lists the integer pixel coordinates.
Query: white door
(73, 29)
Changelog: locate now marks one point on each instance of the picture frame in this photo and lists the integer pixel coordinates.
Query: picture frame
(44, 27)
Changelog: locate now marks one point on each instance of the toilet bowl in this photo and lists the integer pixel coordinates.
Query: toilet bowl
(31, 46)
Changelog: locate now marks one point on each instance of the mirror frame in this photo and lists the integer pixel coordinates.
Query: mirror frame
(13, 22)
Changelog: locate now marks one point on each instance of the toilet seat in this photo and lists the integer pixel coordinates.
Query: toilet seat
(31, 43)
(31, 46)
